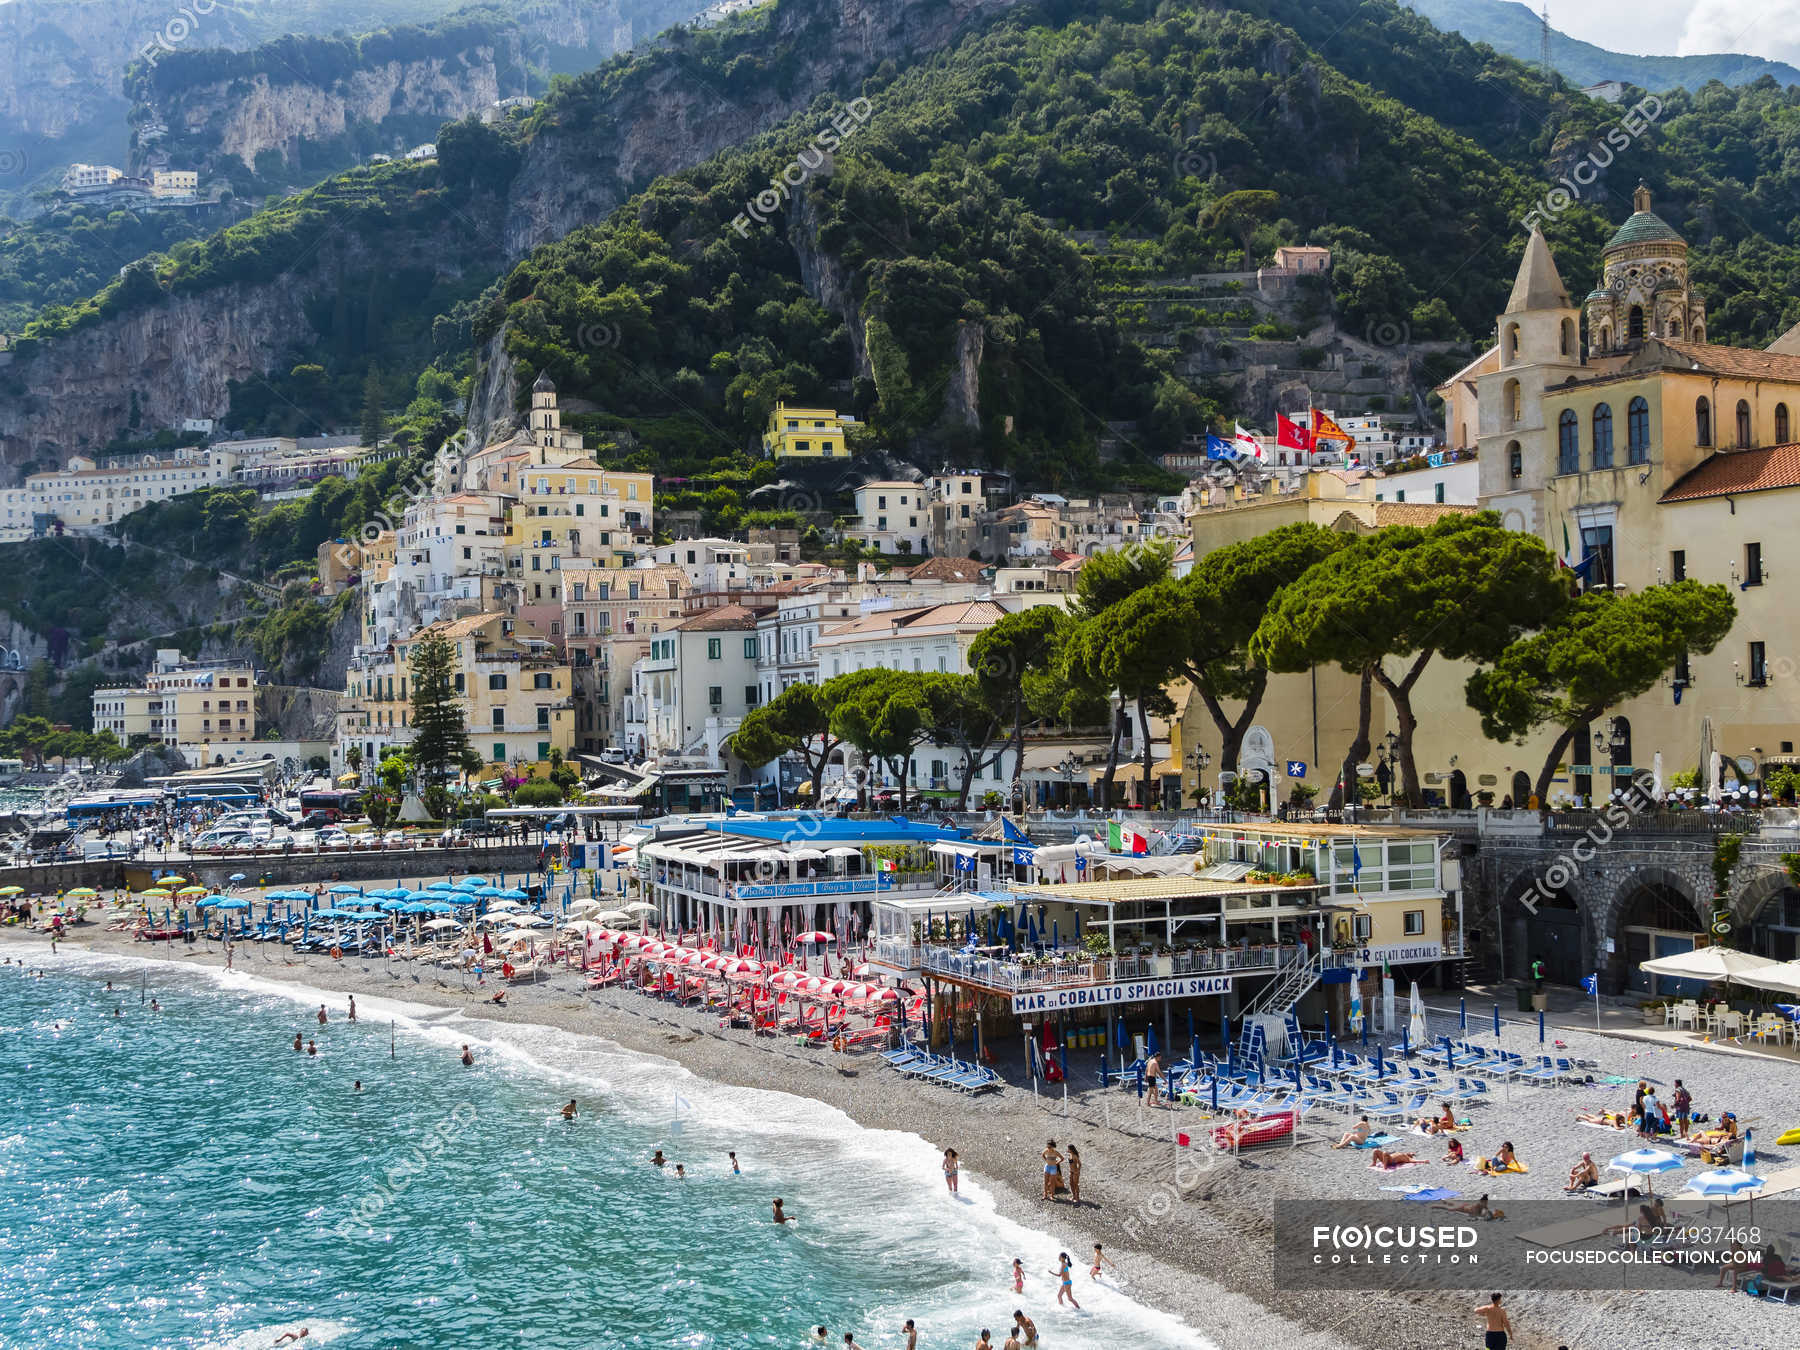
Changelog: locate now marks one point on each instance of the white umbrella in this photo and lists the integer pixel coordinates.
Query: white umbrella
(516, 935)
(443, 923)
(498, 906)
(613, 916)
(581, 926)
(1643, 1162)
(531, 921)
(640, 907)
(1415, 1022)
(1783, 977)
(1656, 776)
(585, 909)
(1706, 963)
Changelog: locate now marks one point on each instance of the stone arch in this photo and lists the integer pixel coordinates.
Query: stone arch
(1765, 915)
(1646, 902)
(1521, 789)
(1542, 918)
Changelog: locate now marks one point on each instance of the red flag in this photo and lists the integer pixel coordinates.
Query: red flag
(1324, 429)
(1291, 435)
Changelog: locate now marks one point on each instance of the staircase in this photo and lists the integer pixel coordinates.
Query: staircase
(1288, 987)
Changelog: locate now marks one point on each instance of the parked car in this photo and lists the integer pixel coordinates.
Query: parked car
(318, 820)
(333, 838)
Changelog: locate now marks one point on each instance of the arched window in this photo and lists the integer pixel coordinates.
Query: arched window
(1603, 445)
(1515, 460)
(1635, 332)
(1702, 422)
(1781, 424)
(1637, 432)
(1743, 425)
(1510, 402)
(1675, 328)
(1699, 332)
(1568, 442)
(1512, 342)
(1606, 338)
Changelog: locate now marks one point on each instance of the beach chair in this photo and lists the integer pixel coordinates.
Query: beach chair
(1543, 1072)
(1389, 1107)
(1416, 1104)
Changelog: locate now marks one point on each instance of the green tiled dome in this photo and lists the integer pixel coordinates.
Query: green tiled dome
(1645, 227)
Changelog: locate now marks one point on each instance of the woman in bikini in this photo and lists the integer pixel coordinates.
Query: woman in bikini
(1382, 1158)
(950, 1170)
(1065, 1273)
(1052, 1169)
(1074, 1175)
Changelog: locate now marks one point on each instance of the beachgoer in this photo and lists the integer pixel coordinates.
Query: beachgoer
(568, 1112)
(1357, 1134)
(1074, 1175)
(299, 1335)
(912, 1335)
(1100, 1258)
(118, 1011)
(467, 1058)
(780, 1214)
(356, 1086)
(1382, 1158)
(680, 1172)
(1684, 1106)
(1497, 1322)
(1018, 1276)
(1052, 1169)
(1012, 1340)
(1583, 1174)
(1502, 1161)
(1025, 1327)
(819, 1336)
(155, 1006)
(353, 1007)
(850, 1342)
(1065, 1273)
(1477, 1209)
(986, 1342)
(312, 1047)
(299, 1044)
(322, 1018)
(657, 1159)
(735, 1170)
(950, 1170)
(1455, 1153)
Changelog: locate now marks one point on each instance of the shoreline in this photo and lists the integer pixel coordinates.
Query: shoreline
(1194, 1241)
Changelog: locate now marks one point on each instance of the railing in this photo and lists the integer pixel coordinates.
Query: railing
(1008, 972)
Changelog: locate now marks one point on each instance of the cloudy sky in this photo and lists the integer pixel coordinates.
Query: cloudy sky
(1682, 27)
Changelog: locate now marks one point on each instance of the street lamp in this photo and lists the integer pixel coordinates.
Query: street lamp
(1197, 761)
(1387, 756)
(1067, 770)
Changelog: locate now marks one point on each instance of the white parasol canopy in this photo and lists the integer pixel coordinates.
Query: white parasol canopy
(1706, 963)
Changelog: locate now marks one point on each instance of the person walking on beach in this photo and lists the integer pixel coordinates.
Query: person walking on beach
(353, 1007)
(1100, 1258)
(1018, 1276)
(1024, 1327)
(1052, 1169)
(1065, 1272)
(1153, 1071)
(1498, 1323)
(950, 1170)
(1074, 1175)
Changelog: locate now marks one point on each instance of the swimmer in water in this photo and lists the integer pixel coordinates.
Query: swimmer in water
(735, 1170)
(568, 1112)
(1064, 1272)
(1018, 1276)
(312, 1048)
(299, 1335)
(118, 1012)
(155, 1006)
(819, 1337)
(468, 1059)
(912, 1335)
(322, 1017)
(657, 1159)
(780, 1216)
(356, 1086)
(680, 1172)
(298, 1044)
(850, 1342)
(1024, 1328)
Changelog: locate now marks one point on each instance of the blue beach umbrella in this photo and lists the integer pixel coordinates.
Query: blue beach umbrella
(344, 888)
(1749, 1147)
(1225, 1028)
(1150, 1037)
(1062, 1057)
(1462, 1016)
(233, 904)
(1193, 1041)
(236, 876)
(473, 883)
(1724, 1181)
(440, 885)
(1540, 1028)
(1330, 1036)
(1215, 1091)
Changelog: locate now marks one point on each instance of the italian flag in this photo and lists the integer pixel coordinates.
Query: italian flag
(1122, 840)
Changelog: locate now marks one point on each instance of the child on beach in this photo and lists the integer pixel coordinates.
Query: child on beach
(1018, 1276)
(950, 1170)
(1065, 1273)
(1100, 1258)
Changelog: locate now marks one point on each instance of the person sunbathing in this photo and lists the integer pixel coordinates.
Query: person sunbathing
(1502, 1161)
(1727, 1131)
(1582, 1175)
(1611, 1119)
(1652, 1219)
(1382, 1158)
(1357, 1134)
(1477, 1209)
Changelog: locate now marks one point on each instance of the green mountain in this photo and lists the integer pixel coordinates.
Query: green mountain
(1516, 30)
(674, 240)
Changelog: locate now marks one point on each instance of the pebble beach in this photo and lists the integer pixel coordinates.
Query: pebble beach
(1190, 1231)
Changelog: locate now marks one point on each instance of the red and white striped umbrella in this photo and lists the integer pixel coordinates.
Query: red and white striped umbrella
(883, 996)
(815, 936)
(741, 965)
(787, 979)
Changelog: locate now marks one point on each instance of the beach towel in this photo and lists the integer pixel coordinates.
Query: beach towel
(1480, 1165)
(1377, 1167)
(1426, 1194)
(1377, 1141)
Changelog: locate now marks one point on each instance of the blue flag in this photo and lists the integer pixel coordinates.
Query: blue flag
(1011, 833)
(1590, 984)
(965, 862)
(1022, 856)
(1355, 862)
(1217, 447)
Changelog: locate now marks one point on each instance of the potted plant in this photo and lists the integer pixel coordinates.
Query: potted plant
(1653, 1011)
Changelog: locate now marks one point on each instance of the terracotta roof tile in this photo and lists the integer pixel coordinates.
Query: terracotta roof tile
(726, 618)
(946, 569)
(1417, 513)
(1734, 471)
(1743, 362)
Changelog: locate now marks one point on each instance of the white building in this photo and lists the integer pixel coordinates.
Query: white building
(894, 517)
(443, 547)
(710, 564)
(1383, 438)
(1448, 476)
(88, 177)
(692, 691)
(82, 496)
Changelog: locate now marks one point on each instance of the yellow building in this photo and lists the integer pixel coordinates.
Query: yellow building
(806, 433)
(516, 694)
(181, 703)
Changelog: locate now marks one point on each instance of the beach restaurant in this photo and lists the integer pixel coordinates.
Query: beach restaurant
(753, 879)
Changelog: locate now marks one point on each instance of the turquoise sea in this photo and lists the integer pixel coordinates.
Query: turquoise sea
(183, 1178)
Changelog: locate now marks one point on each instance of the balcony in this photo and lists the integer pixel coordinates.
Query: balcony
(1072, 968)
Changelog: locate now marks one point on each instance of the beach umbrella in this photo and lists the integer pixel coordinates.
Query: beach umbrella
(1356, 1004)
(1415, 1021)
(1150, 1038)
(475, 883)
(437, 925)
(1449, 1054)
(154, 893)
(1496, 1021)
(20, 890)
(236, 876)
(1749, 1147)
(816, 937)
(234, 904)
(637, 908)
(1462, 1016)
(191, 890)
(1724, 1181)
(440, 885)
(1643, 1162)
(344, 888)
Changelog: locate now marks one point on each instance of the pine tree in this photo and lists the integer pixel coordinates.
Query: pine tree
(374, 419)
(440, 736)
